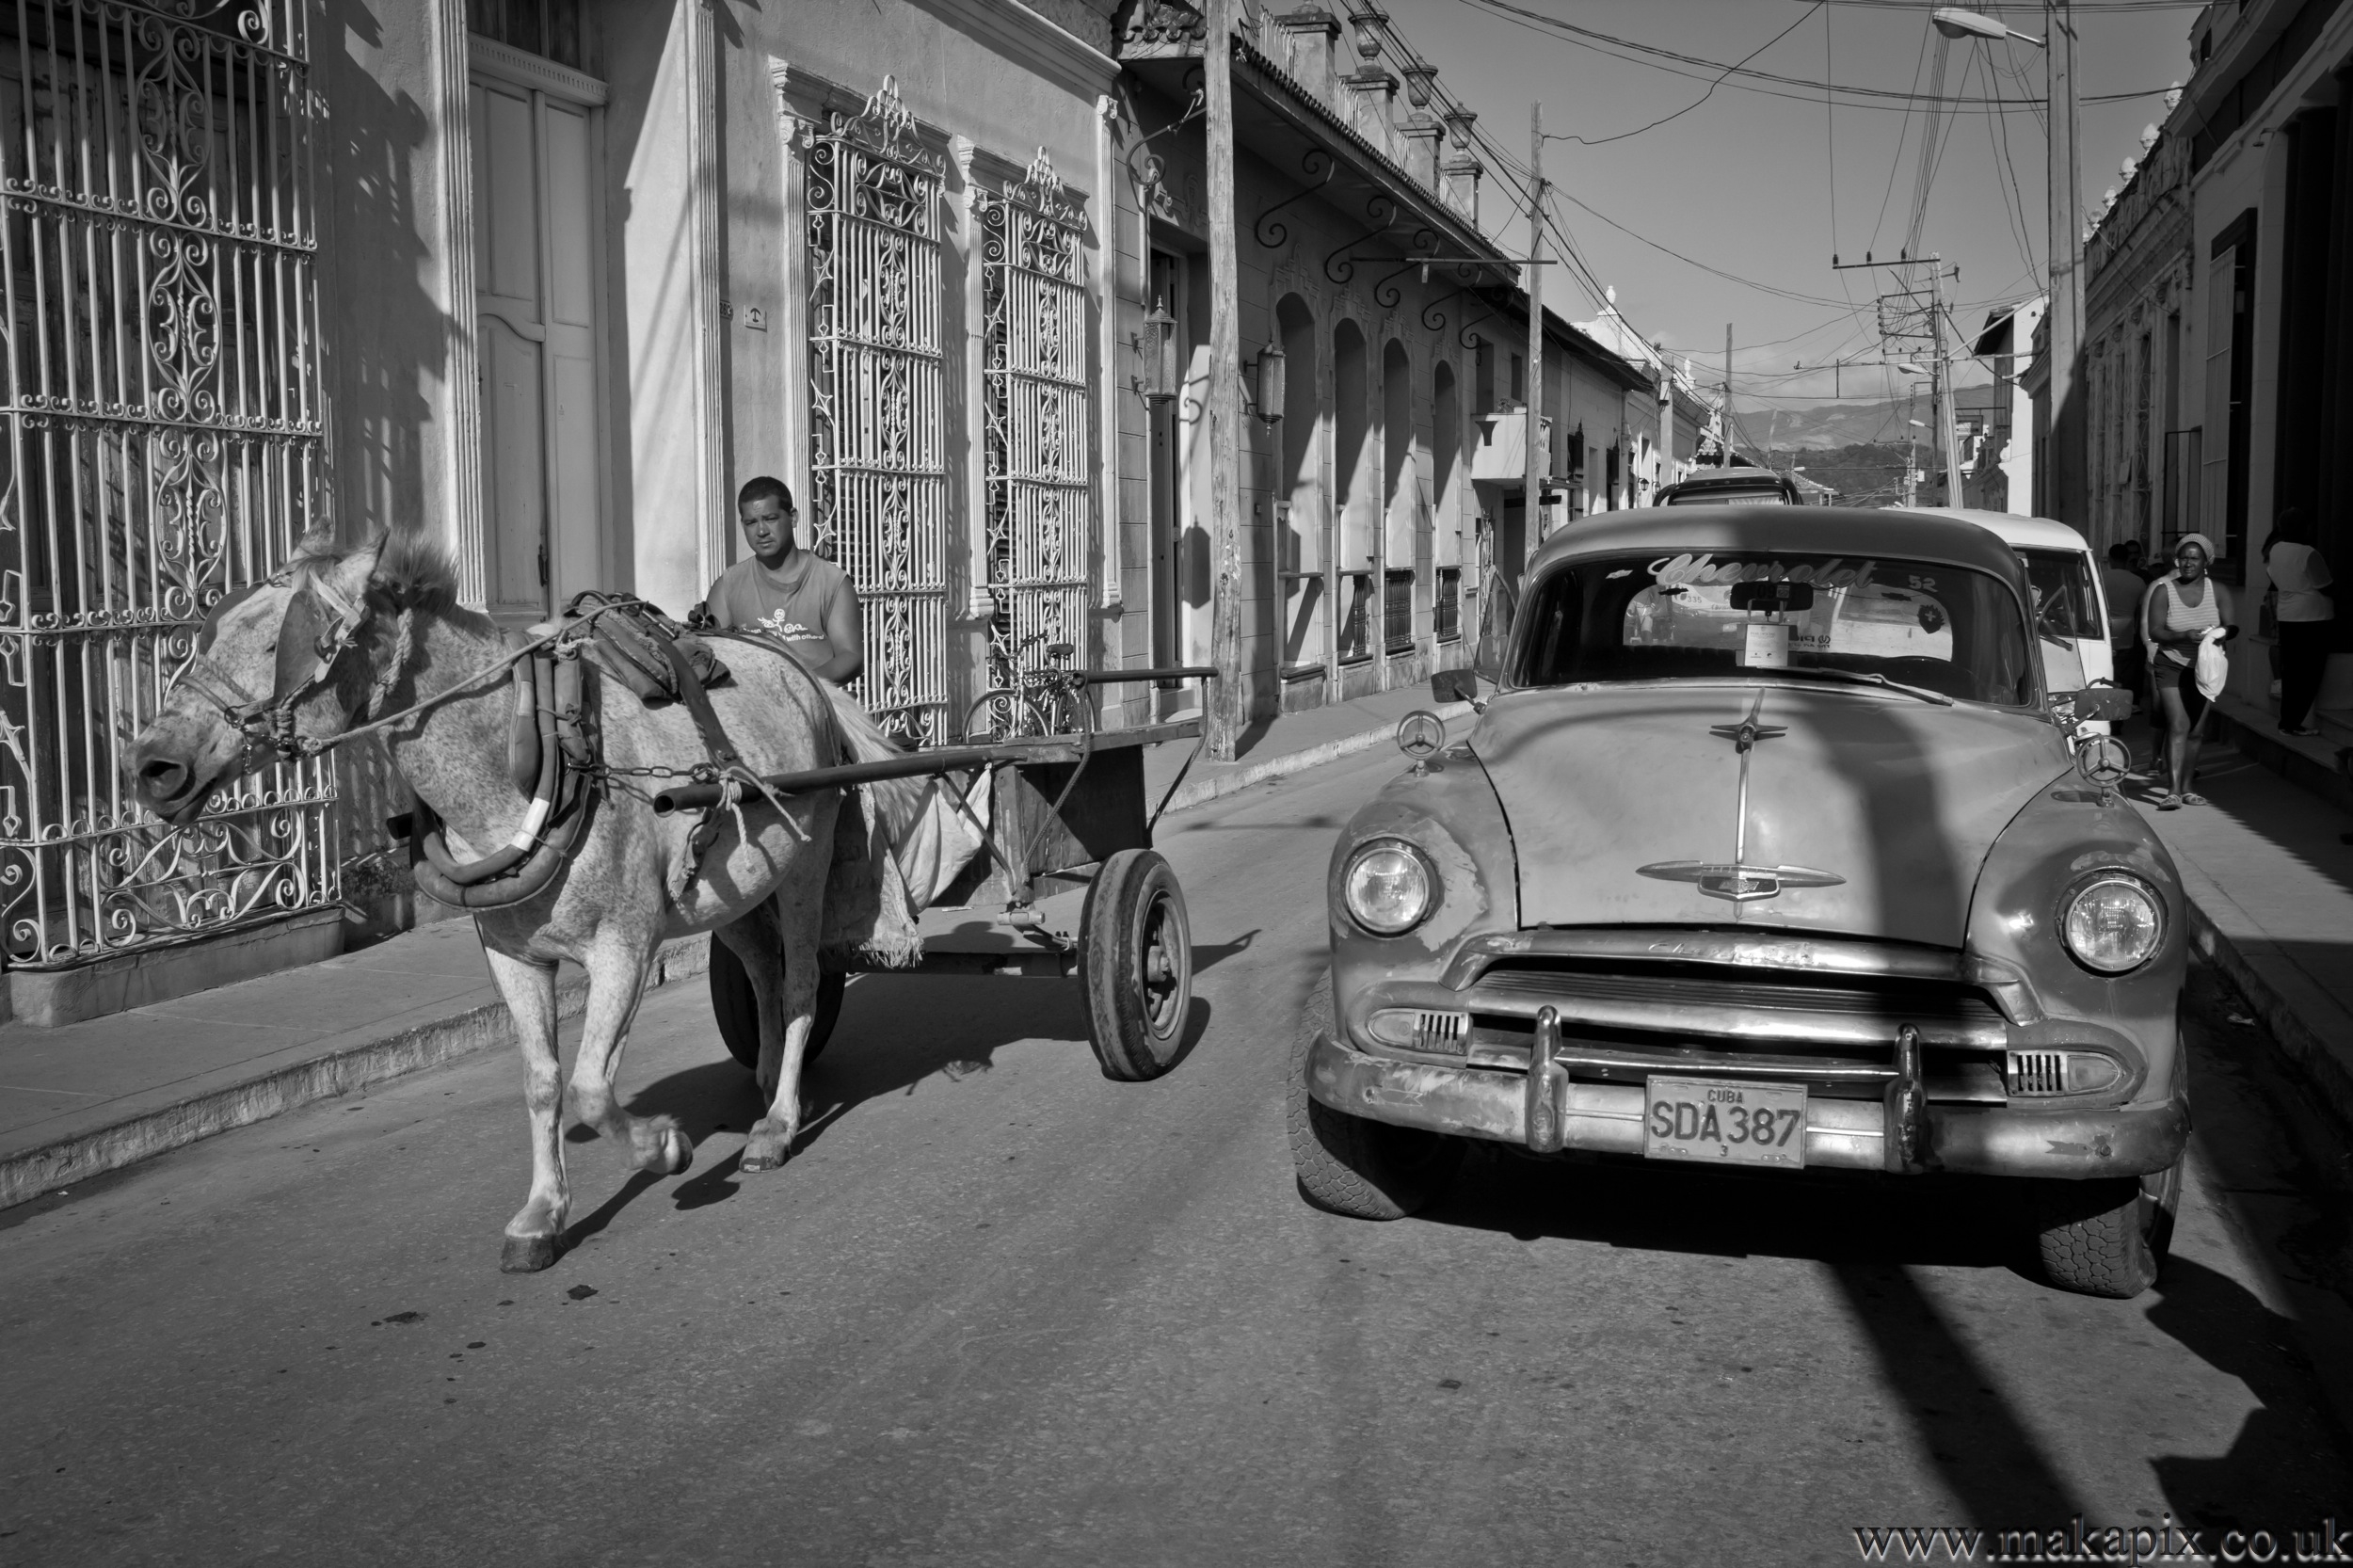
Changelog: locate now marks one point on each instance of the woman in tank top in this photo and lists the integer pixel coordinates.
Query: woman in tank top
(2179, 610)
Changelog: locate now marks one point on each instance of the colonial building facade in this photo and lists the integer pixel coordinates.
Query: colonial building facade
(545, 279)
(2219, 314)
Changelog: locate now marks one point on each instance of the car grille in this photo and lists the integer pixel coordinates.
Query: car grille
(1835, 1034)
(1848, 1010)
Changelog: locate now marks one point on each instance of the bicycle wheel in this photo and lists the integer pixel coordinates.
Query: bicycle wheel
(1001, 713)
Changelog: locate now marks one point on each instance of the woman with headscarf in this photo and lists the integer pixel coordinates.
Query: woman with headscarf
(2180, 609)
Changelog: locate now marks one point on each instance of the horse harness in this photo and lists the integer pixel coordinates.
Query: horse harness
(551, 756)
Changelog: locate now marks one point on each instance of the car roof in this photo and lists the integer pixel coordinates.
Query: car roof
(1812, 530)
(2020, 532)
(1742, 476)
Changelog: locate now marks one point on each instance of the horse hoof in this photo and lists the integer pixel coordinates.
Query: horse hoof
(767, 1148)
(528, 1254)
(683, 1148)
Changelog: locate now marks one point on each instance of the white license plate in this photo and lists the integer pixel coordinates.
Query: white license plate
(1717, 1122)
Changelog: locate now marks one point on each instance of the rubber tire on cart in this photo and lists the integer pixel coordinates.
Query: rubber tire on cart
(736, 1007)
(2108, 1238)
(1135, 958)
(1350, 1166)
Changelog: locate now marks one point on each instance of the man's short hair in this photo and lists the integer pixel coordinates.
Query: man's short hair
(763, 489)
(2120, 554)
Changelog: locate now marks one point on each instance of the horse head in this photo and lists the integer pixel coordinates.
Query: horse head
(277, 665)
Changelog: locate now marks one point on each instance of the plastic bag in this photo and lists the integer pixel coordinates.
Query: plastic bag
(2213, 667)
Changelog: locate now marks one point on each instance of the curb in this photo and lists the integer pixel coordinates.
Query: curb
(1201, 791)
(2282, 997)
(26, 1176)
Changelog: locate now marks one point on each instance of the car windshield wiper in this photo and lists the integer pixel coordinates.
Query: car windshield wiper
(1863, 678)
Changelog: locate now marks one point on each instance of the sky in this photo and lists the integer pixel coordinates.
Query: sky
(1769, 188)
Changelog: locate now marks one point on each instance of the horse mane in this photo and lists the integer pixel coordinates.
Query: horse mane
(411, 571)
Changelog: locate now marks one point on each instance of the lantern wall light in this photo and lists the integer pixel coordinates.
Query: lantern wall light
(1156, 346)
(1269, 383)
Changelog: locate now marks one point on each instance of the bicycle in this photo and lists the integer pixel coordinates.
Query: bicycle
(1047, 700)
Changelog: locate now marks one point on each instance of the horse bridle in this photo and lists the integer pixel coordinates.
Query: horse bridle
(319, 627)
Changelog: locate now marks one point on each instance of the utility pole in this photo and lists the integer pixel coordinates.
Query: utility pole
(1726, 459)
(1531, 512)
(1227, 698)
(2063, 484)
(1941, 385)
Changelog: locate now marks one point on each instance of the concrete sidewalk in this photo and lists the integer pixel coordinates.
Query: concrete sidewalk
(90, 1097)
(2269, 874)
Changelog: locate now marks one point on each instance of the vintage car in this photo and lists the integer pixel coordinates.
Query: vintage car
(1738, 486)
(1769, 851)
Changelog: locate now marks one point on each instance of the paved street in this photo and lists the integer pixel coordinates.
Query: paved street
(1002, 1310)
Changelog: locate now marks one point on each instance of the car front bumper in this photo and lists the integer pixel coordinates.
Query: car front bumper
(2067, 1142)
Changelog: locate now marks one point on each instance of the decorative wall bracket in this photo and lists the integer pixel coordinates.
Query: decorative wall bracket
(1148, 175)
(1271, 231)
(1337, 265)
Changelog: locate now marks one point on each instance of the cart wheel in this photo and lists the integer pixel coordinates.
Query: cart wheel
(1136, 960)
(737, 1009)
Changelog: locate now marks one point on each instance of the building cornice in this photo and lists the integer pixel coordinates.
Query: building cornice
(1024, 35)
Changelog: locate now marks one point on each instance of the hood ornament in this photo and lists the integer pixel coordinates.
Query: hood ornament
(1736, 881)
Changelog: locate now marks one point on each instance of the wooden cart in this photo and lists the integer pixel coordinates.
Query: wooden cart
(1065, 811)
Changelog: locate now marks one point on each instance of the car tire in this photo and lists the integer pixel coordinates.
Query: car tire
(1350, 1166)
(2108, 1238)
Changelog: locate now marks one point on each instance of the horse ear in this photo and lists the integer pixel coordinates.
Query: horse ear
(351, 574)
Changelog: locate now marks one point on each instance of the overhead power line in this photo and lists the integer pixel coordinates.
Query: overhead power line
(1674, 62)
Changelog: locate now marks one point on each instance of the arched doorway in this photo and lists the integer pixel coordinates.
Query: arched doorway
(1301, 513)
(1446, 488)
(1403, 511)
(1359, 500)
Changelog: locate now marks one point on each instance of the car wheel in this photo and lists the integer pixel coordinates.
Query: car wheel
(2108, 1238)
(1366, 1169)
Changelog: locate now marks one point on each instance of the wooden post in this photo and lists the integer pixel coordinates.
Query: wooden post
(1539, 452)
(1228, 700)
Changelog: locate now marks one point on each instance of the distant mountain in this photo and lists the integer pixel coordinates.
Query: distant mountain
(1829, 426)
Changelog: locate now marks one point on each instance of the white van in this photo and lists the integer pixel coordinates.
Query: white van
(2070, 605)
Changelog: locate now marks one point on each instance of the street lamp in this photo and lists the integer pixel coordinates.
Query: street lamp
(1953, 22)
(2063, 318)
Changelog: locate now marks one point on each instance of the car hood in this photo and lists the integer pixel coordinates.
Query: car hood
(1865, 813)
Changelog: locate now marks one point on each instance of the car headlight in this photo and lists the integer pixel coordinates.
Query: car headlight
(2112, 922)
(1389, 888)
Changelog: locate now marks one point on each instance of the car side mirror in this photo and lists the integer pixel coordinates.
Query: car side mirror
(2111, 703)
(1455, 687)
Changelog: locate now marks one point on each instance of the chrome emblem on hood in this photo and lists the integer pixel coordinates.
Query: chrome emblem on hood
(1739, 883)
(1736, 881)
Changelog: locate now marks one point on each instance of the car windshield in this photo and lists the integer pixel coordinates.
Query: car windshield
(1705, 615)
(2064, 611)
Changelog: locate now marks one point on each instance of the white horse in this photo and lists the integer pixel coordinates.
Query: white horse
(397, 641)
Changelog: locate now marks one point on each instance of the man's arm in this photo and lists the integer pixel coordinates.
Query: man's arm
(845, 629)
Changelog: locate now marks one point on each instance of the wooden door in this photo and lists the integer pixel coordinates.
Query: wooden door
(536, 292)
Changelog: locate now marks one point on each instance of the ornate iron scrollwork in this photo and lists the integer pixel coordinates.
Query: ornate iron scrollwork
(1037, 410)
(1147, 174)
(1271, 231)
(878, 474)
(1338, 266)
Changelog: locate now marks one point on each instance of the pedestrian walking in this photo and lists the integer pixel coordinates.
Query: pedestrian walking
(2124, 587)
(2300, 577)
(2176, 615)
